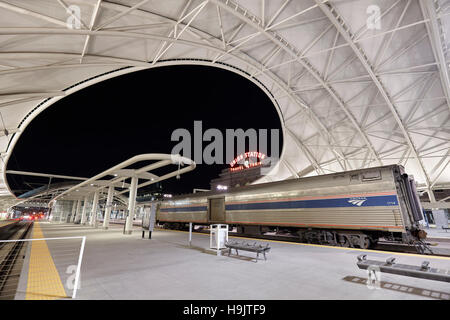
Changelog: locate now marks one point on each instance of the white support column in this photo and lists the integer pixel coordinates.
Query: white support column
(61, 212)
(93, 218)
(74, 210)
(440, 218)
(109, 201)
(131, 205)
(83, 213)
(190, 233)
(49, 213)
(141, 213)
(431, 195)
(77, 212)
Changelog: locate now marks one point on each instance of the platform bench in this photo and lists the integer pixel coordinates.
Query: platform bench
(445, 228)
(255, 247)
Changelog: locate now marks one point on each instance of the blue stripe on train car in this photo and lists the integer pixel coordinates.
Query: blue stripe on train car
(188, 209)
(389, 200)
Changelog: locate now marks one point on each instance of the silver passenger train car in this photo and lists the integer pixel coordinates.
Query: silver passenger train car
(352, 209)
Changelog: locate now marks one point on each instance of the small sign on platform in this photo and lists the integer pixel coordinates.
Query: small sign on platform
(148, 220)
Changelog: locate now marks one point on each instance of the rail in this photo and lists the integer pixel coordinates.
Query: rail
(8, 261)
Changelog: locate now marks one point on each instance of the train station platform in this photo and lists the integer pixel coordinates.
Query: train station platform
(438, 234)
(118, 266)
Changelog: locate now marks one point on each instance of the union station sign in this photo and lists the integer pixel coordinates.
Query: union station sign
(247, 160)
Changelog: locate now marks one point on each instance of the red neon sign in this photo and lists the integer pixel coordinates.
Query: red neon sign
(244, 160)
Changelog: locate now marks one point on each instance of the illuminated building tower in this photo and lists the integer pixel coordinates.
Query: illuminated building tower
(243, 170)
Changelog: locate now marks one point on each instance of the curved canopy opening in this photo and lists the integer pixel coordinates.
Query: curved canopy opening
(88, 131)
(354, 91)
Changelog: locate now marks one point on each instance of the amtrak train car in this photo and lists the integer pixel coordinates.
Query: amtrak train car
(351, 209)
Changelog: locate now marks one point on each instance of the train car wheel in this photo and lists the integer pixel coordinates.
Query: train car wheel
(344, 242)
(365, 243)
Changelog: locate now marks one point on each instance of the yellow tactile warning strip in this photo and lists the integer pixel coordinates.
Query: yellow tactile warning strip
(43, 282)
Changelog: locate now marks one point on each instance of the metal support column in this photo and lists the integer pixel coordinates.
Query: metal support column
(190, 233)
(431, 195)
(61, 212)
(131, 206)
(77, 212)
(83, 213)
(74, 210)
(109, 201)
(93, 218)
(440, 218)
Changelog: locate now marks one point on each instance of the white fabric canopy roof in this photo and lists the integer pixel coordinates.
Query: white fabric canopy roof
(348, 96)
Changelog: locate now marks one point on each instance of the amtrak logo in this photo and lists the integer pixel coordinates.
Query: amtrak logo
(357, 202)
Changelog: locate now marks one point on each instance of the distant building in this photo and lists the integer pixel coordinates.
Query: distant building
(244, 169)
(150, 193)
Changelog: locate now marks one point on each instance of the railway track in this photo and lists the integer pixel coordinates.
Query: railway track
(12, 255)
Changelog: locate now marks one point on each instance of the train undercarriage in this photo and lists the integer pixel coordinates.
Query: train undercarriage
(331, 237)
(342, 238)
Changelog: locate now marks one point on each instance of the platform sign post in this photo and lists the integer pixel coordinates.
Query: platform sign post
(145, 221)
(190, 233)
(148, 220)
(126, 218)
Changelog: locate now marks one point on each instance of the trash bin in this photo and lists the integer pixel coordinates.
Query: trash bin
(218, 236)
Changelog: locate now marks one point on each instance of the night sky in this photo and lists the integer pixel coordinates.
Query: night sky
(98, 127)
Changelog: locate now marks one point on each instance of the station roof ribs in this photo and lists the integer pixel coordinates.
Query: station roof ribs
(352, 91)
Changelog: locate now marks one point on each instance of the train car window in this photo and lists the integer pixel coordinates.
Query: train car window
(354, 177)
(371, 175)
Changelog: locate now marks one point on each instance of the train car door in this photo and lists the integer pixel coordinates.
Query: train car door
(216, 208)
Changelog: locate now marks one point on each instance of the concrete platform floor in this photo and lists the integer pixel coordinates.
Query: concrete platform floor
(438, 234)
(117, 266)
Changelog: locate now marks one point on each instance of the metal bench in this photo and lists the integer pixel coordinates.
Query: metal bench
(423, 271)
(255, 247)
(445, 228)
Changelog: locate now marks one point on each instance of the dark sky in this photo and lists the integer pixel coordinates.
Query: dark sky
(109, 122)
